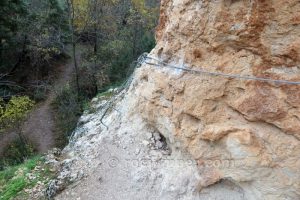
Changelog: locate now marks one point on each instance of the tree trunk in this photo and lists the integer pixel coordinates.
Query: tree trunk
(76, 69)
(71, 11)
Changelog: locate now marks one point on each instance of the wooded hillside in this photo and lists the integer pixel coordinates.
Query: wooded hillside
(100, 39)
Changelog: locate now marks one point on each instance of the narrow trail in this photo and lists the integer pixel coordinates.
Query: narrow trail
(39, 127)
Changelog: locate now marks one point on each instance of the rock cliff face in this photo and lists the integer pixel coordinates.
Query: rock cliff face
(249, 130)
(242, 136)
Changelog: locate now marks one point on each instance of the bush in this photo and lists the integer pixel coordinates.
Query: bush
(16, 153)
(40, 94)
(67, 107)
(15, 111)
(12, 115)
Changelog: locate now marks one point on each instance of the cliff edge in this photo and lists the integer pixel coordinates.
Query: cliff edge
(182, 135)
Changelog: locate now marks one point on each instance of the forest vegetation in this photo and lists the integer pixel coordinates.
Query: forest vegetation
(102, 38)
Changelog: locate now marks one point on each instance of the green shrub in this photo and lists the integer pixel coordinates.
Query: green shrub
(15, 111)
(67, 112)
(15, 153)
(12, 115)
(40, 94)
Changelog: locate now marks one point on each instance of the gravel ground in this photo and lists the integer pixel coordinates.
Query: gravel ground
(132, 160)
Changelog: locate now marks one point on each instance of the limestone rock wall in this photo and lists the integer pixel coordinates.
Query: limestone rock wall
(245, 132)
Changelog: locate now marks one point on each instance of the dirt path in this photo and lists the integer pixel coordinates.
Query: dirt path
(39, 127)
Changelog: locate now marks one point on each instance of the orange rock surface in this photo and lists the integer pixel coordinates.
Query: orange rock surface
(255, 126)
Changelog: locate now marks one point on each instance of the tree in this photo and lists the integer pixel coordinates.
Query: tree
(32, 35)
(11, 14)
(135, 34)
(86, 19)
(13, 114)
(72, 25)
